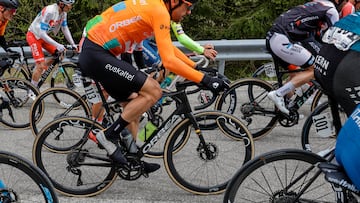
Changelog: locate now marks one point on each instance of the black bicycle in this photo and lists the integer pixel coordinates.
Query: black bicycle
(267, 72)
(257, 111)
(201, 152)
(21, 181)
(58, 74)
(292, 175)
(16, 98)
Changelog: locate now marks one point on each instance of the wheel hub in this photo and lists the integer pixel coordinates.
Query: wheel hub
(208, 153)
(281, 197)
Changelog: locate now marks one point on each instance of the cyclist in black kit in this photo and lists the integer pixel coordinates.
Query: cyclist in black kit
(292, 41)
(337, 69)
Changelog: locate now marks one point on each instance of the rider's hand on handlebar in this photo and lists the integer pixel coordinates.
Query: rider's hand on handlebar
(60, 48)
(210, 52)
(215, 84)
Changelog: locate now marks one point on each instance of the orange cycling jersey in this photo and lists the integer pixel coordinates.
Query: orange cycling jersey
(129, 22)
(2, 27)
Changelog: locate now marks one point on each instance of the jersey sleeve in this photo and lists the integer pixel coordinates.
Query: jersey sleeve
(184, 39)
(172, 61)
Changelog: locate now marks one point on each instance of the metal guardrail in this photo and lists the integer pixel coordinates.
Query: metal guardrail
(235, 50)
(228, 50)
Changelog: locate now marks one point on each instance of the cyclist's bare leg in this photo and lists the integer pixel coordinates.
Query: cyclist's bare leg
(133, 126)
(303, 77)
(149, 94)
(98, 110)
(296, 80)
(40, 67)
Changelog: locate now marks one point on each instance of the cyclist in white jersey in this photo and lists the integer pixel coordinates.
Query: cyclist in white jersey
(52, 18)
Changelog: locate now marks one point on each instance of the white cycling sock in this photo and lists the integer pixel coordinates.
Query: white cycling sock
(285, 89)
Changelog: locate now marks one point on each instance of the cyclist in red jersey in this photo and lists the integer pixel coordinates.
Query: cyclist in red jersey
(114, 32)
(52, 18)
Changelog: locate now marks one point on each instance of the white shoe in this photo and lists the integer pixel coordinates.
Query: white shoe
(279, 102)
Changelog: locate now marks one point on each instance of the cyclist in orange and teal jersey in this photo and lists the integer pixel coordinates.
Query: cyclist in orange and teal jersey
(114, 32)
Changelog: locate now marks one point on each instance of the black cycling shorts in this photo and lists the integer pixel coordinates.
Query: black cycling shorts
(338, 72)
(119, 78)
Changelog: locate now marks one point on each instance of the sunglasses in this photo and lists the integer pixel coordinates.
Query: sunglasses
(189, 5)
(11, 10)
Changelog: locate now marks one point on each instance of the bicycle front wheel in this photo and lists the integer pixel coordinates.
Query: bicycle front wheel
(19, 98)
(79, 167)
(20, 180)
(280, 176)
(45, 108)
(251, 105)
(203, 164)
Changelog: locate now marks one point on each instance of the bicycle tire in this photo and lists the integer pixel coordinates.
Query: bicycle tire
(24, 180)
(187, 164)
(319, 98)
(61, 166)
(20, 103)
(45, 108)
(62, 77)
(267, 178)
(251, 105)
(317, 134)
(17, 72)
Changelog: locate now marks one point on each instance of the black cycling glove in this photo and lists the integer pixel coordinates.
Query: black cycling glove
(214, 84)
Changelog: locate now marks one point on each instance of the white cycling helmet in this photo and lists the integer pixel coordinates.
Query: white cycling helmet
(67, 1)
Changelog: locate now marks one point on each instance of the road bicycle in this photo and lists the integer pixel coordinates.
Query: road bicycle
(292, 175)
(200, 154)
(256, 110)
(267, 72)
(75, 104)
(17, 96)
(21, 181)
(59, 72)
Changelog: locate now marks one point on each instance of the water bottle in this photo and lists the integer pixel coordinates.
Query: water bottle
(167, 81)
(147, 131)
(129, 141)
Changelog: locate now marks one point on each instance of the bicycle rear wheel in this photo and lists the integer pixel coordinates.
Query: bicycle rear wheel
(20, 180)
(79, 167)
(279, 176)
(45, 108)
(251, 105)
(206, 169)
(318, 134)
(20, 98)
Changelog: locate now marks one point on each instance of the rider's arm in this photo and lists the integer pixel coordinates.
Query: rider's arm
(185, 40)
(67, 33)
(183, 57)
(173, 62)
(44, 28)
